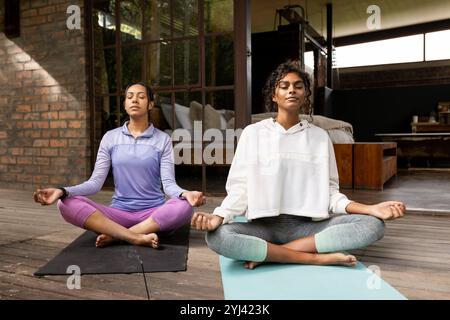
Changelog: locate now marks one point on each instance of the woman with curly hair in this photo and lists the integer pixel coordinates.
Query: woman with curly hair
(284, 179)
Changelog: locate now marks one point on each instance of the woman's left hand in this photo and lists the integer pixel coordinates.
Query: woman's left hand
(195, 198)
(388, 210)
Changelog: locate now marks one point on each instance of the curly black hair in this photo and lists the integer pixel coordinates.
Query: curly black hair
(290, 66)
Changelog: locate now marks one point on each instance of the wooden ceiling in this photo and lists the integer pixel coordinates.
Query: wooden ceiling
(350, 16)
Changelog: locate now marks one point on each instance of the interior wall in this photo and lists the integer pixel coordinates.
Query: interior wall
(386, 109)
(394, 75)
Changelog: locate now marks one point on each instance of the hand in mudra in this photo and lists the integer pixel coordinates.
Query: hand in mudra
(388, 210)
(206, 221)
(195, 198)
(47, 196)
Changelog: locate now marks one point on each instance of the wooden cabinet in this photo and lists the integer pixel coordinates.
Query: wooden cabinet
(344, 162)
(374, 164)
(366, 165)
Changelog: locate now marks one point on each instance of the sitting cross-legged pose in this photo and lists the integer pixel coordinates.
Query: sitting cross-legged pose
(142, 160)
(284, 178)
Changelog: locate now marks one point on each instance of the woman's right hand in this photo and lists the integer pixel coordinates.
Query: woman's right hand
(206, 221)
(47, 196)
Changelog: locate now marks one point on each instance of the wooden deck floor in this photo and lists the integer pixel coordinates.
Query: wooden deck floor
(414, 257)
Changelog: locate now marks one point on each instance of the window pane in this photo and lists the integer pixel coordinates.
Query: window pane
(2, 16)
(104, 22)
(163, 97)
(218, 16)
(219, 63)
(106, 110)
(100, 114)
(123, 116)
(309, 59)
(131, 65)
(130, 20)
(216, 179)
(105, 71)
(221, 115)
(157, 19)
(223, 99)
(184, 116)
(398, 50)
(437, 45)
(185, 98)
(179, 115)
(186, 62)
(185, 18)
(158, 64)
(189, 177)
(164, 102)
(219, 147)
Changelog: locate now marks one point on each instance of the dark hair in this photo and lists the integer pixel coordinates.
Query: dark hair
(290, 66)
(147, 88)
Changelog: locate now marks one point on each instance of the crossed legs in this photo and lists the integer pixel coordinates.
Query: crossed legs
(113, 224)
(289, 239)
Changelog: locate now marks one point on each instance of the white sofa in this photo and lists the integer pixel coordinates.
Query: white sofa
(338, 130)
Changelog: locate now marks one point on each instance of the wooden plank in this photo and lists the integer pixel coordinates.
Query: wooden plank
(414, 281)
(12, 291)
(412, 248)
(412, 255)
(417, 226)
(52, 287)
(208, 284)
(402, 262)
(121, 284)
(413, 272)
(420, 236)
(400, 255)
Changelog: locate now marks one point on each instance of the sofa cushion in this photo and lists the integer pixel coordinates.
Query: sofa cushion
(339, 131)
(183, 116)
(167, 110)
(213, 119)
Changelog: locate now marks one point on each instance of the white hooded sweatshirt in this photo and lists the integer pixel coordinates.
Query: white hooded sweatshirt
(277, 171)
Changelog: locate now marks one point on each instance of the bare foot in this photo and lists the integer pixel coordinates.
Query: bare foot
(322, 259)
(336, 258)
(251, 264)
(104, 240)
(149, 240)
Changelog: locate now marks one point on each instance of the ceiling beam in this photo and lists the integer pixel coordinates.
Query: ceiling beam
(392, 33)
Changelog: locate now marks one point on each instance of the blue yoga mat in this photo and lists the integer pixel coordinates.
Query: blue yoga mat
(303, 282)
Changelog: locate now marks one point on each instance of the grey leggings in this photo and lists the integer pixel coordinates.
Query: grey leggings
(248, 241)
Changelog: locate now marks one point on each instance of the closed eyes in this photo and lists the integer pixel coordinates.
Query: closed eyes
(286, 84)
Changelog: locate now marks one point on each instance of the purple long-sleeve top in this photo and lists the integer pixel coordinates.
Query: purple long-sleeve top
(140, 166)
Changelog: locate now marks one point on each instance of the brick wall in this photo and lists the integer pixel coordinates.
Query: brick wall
(44, 132)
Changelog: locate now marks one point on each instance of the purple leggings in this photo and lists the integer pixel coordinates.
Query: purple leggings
(172, 215)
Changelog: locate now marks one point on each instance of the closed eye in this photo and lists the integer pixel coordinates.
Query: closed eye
(286, 84)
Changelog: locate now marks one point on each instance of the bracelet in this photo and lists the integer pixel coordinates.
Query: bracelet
(65, 193)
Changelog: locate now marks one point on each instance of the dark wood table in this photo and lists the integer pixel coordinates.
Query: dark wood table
(426, 146)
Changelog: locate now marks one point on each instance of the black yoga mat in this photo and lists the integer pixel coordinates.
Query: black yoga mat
(120, 257)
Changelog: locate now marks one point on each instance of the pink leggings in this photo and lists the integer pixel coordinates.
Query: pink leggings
(170, 216)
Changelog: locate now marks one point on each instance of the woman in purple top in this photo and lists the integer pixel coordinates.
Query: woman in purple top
(142, 160)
